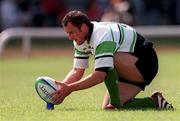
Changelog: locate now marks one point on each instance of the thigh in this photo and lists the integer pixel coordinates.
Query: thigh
(125, 63)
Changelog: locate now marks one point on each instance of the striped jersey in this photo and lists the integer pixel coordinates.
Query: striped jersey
(106, 39)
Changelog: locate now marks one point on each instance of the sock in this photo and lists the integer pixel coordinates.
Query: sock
(146, 102)
(111, 82)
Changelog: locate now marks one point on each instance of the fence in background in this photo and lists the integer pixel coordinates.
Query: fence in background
(28, 33)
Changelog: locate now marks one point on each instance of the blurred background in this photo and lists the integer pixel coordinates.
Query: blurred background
(45, 13)
(48, 13)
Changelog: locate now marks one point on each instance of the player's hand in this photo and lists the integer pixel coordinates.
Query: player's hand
(60, 94)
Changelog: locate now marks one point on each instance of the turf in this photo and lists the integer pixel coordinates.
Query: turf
(19, 101)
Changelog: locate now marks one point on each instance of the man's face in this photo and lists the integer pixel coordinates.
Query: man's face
(76, 34)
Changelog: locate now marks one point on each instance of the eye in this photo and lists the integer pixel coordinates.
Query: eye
(71, 32)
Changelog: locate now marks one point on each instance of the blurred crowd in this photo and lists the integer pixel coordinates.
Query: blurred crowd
(45, 13)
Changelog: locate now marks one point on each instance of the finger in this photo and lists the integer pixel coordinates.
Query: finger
(54, 93)
(57, 82)
(59, 99)
(56, 97)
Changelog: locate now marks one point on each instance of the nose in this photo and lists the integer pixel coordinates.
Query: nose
(69, 38)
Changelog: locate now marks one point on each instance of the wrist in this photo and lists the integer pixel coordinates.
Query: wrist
(71, 87)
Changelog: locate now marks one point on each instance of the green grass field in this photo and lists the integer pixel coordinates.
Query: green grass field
(19, 101)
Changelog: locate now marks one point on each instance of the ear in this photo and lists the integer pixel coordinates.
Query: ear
(84, 27)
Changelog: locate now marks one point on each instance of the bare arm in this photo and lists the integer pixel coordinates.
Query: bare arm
(89, 81)
(74, 75)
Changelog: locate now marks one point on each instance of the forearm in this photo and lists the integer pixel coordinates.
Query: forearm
(89, 81)
(73, 76)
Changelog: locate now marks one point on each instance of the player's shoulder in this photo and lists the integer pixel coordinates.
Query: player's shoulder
(99, 27)
(99, 31)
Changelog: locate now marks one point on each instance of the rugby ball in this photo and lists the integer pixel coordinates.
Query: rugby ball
(45, 86)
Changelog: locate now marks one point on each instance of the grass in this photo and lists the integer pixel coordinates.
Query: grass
(19, 101)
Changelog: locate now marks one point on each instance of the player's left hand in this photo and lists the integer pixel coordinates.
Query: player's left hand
(60, 94)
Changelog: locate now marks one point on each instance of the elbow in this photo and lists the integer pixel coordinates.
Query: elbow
(100, 75)
(79, 72)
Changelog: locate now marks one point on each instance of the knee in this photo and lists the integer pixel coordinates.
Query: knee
(108, 107)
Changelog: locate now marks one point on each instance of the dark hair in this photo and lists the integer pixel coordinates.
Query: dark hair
(77, 18)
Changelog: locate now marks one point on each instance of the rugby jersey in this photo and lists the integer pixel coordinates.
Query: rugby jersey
(106, 39)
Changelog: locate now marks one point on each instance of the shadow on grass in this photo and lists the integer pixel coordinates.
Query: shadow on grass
(111, 110)
(144, 109)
